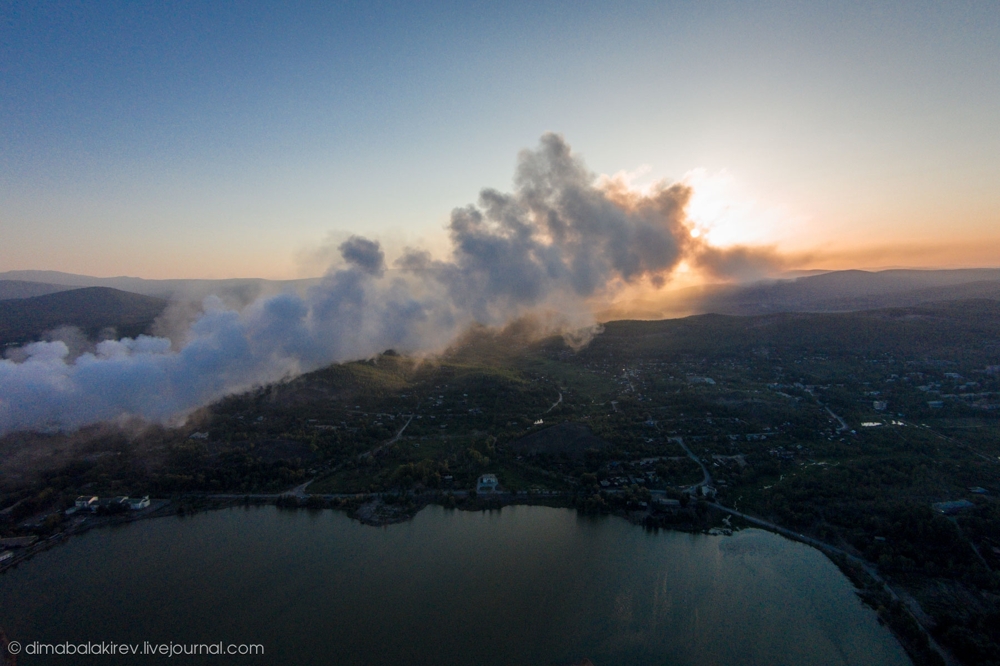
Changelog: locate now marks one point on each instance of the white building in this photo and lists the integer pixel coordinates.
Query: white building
(85, 502)
(487, 483)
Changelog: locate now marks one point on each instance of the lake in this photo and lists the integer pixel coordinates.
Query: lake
(522, 585)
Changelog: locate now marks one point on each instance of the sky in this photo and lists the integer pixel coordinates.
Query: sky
(246, 139)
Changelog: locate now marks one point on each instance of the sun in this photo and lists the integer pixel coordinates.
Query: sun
(723, 213)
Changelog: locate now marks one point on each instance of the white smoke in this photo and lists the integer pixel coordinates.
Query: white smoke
(559, 239)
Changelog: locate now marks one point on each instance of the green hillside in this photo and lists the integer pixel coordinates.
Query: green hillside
(849, 428)
(91, 309)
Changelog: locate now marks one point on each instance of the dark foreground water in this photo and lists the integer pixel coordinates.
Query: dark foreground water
(525, 585)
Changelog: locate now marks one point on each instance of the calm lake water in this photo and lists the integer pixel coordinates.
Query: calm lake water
(525, 585)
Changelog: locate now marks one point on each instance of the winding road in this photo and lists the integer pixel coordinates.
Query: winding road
(707, 478)
(843, 424)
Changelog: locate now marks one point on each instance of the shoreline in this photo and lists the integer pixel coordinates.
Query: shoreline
(372, 510)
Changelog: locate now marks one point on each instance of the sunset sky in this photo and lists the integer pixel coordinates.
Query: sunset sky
(224, 139)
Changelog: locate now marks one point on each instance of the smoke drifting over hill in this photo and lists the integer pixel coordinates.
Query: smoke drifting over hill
(556, 243)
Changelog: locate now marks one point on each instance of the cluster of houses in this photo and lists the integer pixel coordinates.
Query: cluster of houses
(780, 452)
(625, 478)
(94, 504)
(619, 481)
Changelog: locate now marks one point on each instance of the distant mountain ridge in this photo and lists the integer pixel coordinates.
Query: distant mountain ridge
(26, 289)
(242, 289)
(91, 309)
(853, 288)
(838, 291)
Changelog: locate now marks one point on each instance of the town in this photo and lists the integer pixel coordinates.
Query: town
(874, 433)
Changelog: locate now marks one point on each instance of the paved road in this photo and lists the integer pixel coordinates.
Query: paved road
(821, 545)
(843, 424)
(300, 490)
(707, 478)
(388, 442)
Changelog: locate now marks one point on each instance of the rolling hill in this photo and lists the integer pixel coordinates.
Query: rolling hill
(91, 309)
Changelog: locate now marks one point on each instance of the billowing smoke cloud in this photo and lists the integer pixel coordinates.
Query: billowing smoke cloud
(554, 242)
(559, 240)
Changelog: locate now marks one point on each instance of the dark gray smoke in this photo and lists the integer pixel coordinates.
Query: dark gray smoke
(364, 254)
(555, 242)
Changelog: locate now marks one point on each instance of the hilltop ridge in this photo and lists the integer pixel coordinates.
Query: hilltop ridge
(91, 309)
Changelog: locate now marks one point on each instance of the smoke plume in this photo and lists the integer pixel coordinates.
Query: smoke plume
(557, 242)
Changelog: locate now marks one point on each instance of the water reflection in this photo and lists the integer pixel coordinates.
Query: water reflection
(526, 585)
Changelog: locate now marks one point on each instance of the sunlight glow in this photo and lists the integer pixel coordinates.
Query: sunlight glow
(725, 214)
